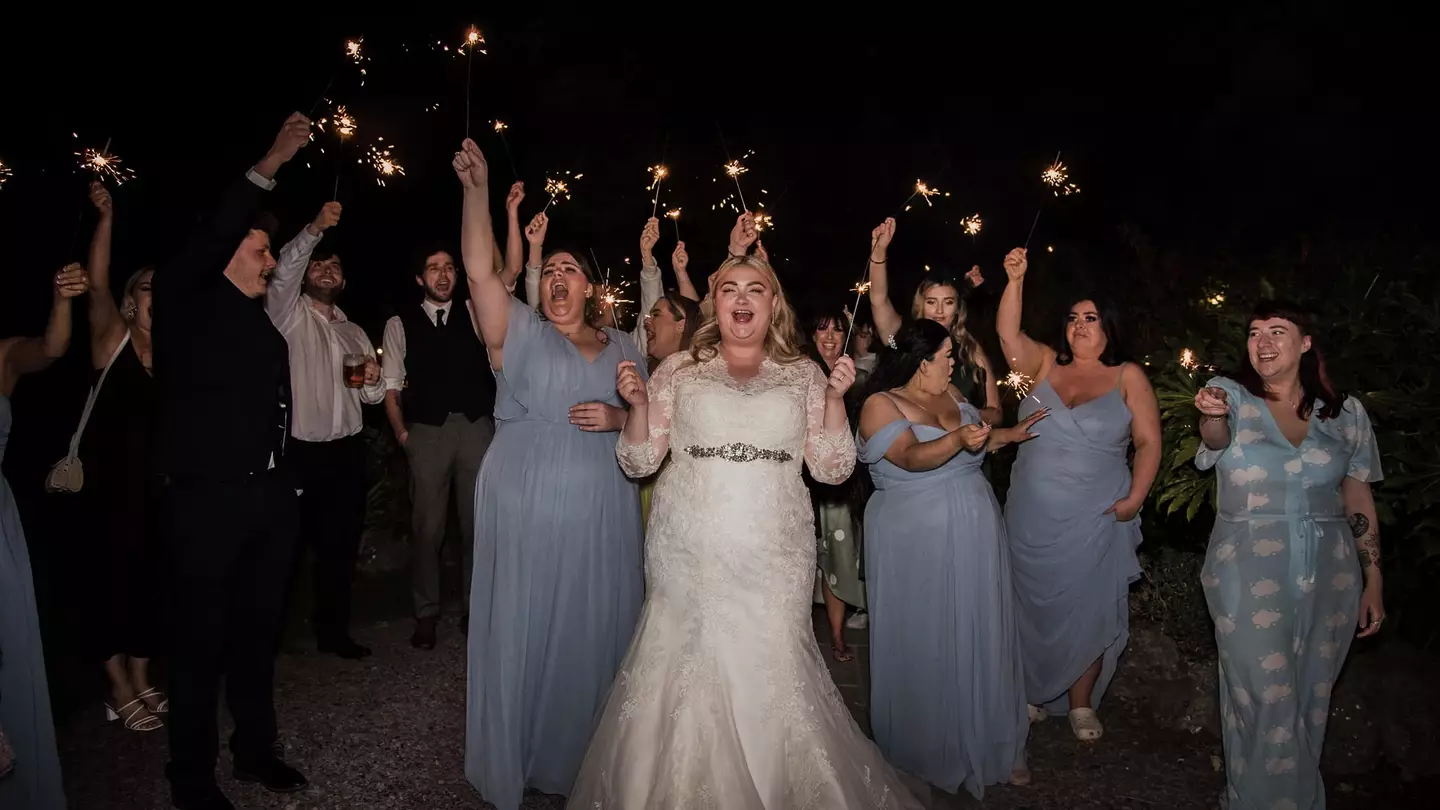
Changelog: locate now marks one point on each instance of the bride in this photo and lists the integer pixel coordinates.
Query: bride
(723, 700)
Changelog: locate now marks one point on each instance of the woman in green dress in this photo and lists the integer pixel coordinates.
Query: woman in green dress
(838, 544)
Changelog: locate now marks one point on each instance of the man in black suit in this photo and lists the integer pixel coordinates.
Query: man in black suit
(229, 510)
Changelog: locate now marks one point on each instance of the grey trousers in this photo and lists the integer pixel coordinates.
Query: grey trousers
(438, 456)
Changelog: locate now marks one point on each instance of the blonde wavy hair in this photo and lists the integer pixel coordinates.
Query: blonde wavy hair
(966, 347)
(782, 339)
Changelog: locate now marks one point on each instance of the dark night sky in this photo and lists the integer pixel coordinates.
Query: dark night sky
(1210, 142)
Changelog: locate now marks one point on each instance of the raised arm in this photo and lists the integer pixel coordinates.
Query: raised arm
(680, 260)
(535, 238)
(829, 445)
(645, 439)
(489, 300)
(26, 355)
(887, 319)
(1022, 353)
(514, 245)
(1144, 434)
(216, 241)
(282, 295)
(107, 327)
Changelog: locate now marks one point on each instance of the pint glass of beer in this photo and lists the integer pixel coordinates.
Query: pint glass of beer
(355, 370)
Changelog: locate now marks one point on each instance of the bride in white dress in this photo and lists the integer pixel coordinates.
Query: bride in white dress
(723, 700)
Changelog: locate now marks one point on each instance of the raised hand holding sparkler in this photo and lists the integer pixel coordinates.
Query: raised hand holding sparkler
(535, 231)
(880, 239)
(294, 135)
(649, 236)
(470, 166)
(743, 235)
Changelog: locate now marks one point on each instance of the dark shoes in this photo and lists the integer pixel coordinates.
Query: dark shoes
(344, 647)
(272, 774)
(424, 636)
(209, 798)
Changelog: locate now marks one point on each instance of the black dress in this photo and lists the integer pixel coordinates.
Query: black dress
(125, 577)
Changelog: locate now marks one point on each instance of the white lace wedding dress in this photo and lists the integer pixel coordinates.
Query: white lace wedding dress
(723, 700)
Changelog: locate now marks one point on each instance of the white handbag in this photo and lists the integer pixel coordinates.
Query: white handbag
(68, 474)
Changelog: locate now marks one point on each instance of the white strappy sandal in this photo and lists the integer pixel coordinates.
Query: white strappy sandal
(1086, 725)
(1035, 712)
(133, 720)
(161, 708)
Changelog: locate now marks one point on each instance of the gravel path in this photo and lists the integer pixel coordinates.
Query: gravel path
(388, 732)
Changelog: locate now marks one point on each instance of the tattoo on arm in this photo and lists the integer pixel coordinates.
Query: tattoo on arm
(1367, 542)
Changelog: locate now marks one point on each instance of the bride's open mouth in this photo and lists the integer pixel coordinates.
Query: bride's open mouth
(742, 316)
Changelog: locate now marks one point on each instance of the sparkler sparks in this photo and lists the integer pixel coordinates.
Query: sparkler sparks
(474, 41)
(1017, 382)
(924, 191)
(764, 222)
(861, 288)
(104, 163)
(673, 213)
(500, 126)
(5, 174)
(1188, 361)
(343, 122)
(735, 169)
(556, 188)
(972, 224)
(657, 176)
(352, 49)
(379, 159)
(1057, 176)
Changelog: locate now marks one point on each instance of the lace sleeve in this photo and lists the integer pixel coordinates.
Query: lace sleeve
(640, 460)
(830, 456)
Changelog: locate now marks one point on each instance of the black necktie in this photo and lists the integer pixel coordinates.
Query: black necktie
(439, 317)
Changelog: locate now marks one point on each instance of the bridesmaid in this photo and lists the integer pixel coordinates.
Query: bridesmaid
(1295, 459)
(24, 694)
(1073, 503)
(947, 699)
(558, 582)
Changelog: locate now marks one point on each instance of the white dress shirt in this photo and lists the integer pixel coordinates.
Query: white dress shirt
(324, 409)
(650, 292)
(392, 363)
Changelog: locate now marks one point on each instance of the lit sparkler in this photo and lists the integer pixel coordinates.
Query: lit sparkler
(674, 216)
(386, 166)
(352, 49)
(1188, 361)
(1018, 382)
(861, 288)
(105, 163)
(500, 126)
(658, 173)
(734, 169)
(473, 42)
(1057, 176)
(555, 188)
(763, 222)
(5, 174)
(924, 191)
(343, 122)
(972, 224)
(1215, 300)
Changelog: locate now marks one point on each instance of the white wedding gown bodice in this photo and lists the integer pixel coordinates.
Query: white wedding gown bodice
(723, 700)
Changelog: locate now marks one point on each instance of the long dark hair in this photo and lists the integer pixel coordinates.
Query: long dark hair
(823, 318)
(1111, 324)
(1314, 379)
(686, 308)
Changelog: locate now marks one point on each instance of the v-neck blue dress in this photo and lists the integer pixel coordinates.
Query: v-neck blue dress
(1283, 585)
(558, 582)
(1073, 563)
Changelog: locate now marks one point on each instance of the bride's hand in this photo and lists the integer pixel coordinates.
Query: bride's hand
(629, 385)
(841, 378)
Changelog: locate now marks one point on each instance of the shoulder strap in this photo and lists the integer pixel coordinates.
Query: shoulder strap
(95, 392)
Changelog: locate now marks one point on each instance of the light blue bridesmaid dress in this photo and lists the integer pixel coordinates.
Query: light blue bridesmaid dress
(558, 582)
(24, 693)
(1073, 563)
(946, 687)
(1283, 584)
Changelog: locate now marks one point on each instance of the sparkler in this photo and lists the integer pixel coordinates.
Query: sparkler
(925, 192)
(673, 214)
(352, 49)
(734, 168)
(386, 166)
(658, 173)
(1019, 383)
(500, 127)
(555, 188)
(972, 225)
(1057, 177)
(5, 174)
(473, 40)
(763, 222)
(1188, 361)
(104, 164)
(861, 288)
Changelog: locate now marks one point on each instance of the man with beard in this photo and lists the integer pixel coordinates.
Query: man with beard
(327, 453)
(222, 388)
(439, 396)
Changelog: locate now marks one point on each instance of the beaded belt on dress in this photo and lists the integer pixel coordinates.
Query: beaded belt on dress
(739, 451)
